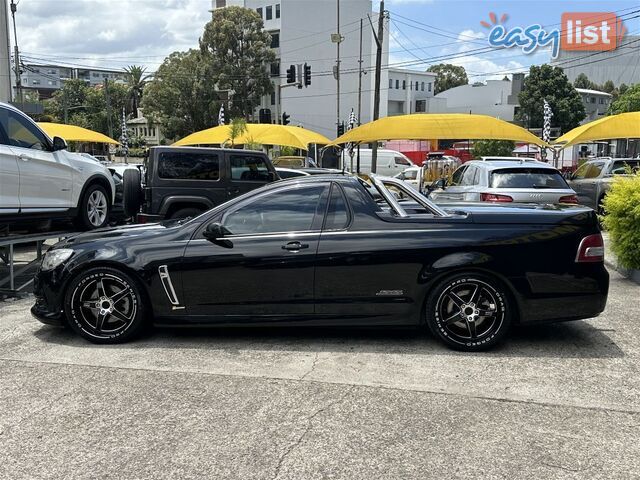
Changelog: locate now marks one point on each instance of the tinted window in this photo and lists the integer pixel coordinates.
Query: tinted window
(249, 168)
(289, 211)
(189, 166)
(456, 178)
(588, 170)
(402, 161)
(337, 216)
(527, 178)
(624, 167)
(21, 132)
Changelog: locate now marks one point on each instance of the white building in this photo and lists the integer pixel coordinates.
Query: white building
(301, 33)
(141, 127)
(596, 103)
(409, 91)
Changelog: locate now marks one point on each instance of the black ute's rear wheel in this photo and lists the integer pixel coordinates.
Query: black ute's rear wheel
(104, 305)
(94, 208)
(469, 312)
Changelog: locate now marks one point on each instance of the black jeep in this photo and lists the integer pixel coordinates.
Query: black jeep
(186, 181)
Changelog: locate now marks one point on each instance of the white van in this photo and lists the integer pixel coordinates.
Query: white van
(389, 162)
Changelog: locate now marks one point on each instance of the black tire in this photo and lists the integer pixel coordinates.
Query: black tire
(601, 210)
(91, 217)
(455, 308)
(105, 305)
(131, 192)
(185, 212)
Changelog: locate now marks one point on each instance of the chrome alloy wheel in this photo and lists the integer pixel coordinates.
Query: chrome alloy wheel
(97, 208)
(104, 305)
(470, 311)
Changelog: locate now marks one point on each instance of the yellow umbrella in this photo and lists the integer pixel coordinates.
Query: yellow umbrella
(438, 126)
(73, 133)
(624, 125)
(263, 133)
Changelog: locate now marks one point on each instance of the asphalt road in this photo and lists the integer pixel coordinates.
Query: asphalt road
(559, 401)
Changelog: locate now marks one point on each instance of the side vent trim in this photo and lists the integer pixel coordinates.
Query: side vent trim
(165, 278)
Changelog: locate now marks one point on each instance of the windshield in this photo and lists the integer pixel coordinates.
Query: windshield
(588, 170)
(527, 178)
(622, 167)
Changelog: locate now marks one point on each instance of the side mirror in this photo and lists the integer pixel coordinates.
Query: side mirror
(440, 183)
(273, 176)
(215, 231)
(59, 144)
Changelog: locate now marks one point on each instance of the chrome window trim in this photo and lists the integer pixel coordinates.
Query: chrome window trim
(379, 183)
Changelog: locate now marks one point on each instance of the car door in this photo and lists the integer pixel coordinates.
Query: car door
(585, 182)
(265, 265)
(246, 171)
(9, 181)
(46, 177)
(455, 190)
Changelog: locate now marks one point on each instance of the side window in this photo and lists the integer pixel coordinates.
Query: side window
(469, 176)
(189, 166)
(281, 211)
(337, 213)
(402, 161)
(456, 178)
(248, 168)
(20, 132)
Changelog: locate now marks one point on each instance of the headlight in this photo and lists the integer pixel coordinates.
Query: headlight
(53, 258)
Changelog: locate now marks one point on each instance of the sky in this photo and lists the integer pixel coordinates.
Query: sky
(117, 33)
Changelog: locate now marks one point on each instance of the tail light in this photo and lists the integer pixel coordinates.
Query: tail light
(591, 249)
(494, 197)
(572, 199)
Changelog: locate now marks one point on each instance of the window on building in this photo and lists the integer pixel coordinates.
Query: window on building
(275, 39)
(277, 10)
(259, 10)
(275, 69)
(397, 84)
(52, 71)
(53, 83)
(95, 74)
(36, 82)
(416, 86)
(390, 83)
(421, 106)
(593, 99)
(269, 12)
(221, 3)
(422, 86)
(35, 70)
(404, 84)
(273, 98)
(429, 86)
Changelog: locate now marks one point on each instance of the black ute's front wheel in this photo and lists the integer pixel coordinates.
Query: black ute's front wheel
(104, 305)
(469, 312)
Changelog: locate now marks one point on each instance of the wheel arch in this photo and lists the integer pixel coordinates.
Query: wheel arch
(96, 179)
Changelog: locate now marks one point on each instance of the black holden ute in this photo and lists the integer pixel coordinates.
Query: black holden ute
(332, 251)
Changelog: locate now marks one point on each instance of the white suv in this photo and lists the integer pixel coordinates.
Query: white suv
(40, 179)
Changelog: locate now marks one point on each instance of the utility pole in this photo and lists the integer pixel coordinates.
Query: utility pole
(108, 102)
(5, 54)
(338, 63)
(376, 94)
(16, 54)
(359, 95)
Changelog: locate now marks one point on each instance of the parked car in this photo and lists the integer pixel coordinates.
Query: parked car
(592, 179)
(410, 175)
(321, 251)
(40, 179)
(285, 173)
(183, 182)
(505, 181)
(388, 162)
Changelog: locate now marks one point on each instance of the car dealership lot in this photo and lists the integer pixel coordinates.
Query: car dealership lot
(559, 401)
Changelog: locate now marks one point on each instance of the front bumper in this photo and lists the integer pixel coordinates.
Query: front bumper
(48, 293)
(43, 314)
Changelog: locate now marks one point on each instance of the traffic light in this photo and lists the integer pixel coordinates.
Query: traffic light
(307, 75)
(285, 118)
(341, 128)
(291, 74)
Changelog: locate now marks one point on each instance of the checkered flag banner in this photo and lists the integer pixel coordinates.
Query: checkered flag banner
(546, 130)
(221, 115)
(350, 126)
(124, 137)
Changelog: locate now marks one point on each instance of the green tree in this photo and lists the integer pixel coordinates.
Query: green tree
(136, 80)
(608, 87)
(493, 148)
(629, 101)
(103, 116)
(582, 81)
(238, 52)
(550, 83)
(237, 127)
(448, 76)
(182, 98)
(67, 101)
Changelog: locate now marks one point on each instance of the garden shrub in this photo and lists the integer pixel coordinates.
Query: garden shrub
(622, 219)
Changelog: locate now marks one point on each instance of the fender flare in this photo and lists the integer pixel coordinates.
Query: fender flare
(167, 202)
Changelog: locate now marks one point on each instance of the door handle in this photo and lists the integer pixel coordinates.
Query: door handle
(294, 246)
(24, 157)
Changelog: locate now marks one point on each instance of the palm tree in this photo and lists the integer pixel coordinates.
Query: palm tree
(136, 80)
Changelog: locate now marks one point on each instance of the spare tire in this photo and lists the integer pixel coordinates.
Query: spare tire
(131, 192)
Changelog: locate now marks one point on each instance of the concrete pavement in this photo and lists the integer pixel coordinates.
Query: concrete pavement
(558, 401)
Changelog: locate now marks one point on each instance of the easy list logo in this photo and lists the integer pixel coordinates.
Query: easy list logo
(580, 31)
